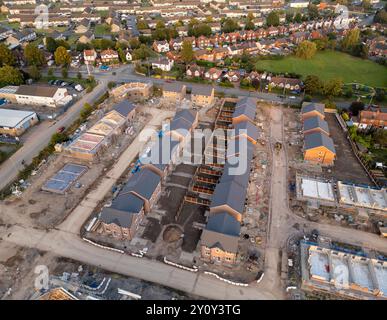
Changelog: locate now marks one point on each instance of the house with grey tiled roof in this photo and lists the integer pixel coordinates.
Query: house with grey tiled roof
(319, 148)
(144, 184)
(245, 130)
(315, 124)
(311, 109)
(229, 197)
(219, 240)
(126, 109)
(245, 110)
(122, 218)
(174, 92)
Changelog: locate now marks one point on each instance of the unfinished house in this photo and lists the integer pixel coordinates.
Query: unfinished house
(182, 124)
(121, 220)
(203, 96)
(174, 92)
(220, 238)
(245, 110)
(319, 148)
(90, 144)
(315, 124)
(312, 109)
(351, 275)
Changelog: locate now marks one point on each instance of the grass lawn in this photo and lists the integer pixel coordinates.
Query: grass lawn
(331, 64)
(102, 29)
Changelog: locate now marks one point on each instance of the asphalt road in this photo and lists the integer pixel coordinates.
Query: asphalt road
(41, 137)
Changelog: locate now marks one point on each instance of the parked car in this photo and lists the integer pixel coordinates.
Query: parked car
(61, 129)
(79, 88)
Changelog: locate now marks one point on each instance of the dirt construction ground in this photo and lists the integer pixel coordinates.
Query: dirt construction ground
(346, 167)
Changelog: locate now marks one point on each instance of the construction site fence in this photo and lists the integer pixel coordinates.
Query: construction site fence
(239, 284)
(101, 246)
(193, 269)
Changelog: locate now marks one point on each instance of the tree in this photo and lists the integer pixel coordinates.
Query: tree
(333, 88)
(366, 4)
(86, 111)
(6, 56)
(356, 107)
(122, 55)
(51, 44)
(360, 50)
(306, 49)
(50, 72)
(34, 72)
(273, 19)
(160, 24)
(82, 46)
(289, 17)
(187, 54)
(298, 18)
(63, 43)
(312, 11)
(141, 25)
(62, 57)
(33, 55)
(10, 76)
(79, 75)
(381, 16)
(134, 43)
(142, 53)
(380, 137)
(64, 72)
(198, 30)
(230, 25)
(313, 84)
(350, 39)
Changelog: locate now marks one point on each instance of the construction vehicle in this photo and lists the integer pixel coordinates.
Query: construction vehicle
(278, 146)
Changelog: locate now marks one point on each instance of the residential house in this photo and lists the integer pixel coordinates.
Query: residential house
(174, 91)
(219, 240)
(182, 125)
(315, 124)
(245, 110)
(115, 26)
(287, 83)
(246, 129)
(194, 70)
(161, 46)
(109, 56)
(176, 44)
(203, 96)
(311, 109)
(213, 74)
(373, 118)
(86, 37)
(319, 148)
(229, 197)
(89, 56)
(83, 26)
(203, 54)
(163, 63)
(125, 109)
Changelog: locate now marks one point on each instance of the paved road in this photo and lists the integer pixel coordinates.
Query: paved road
(40, 138)
(126, 74)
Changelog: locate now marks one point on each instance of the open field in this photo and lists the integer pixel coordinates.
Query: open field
(331, 64)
